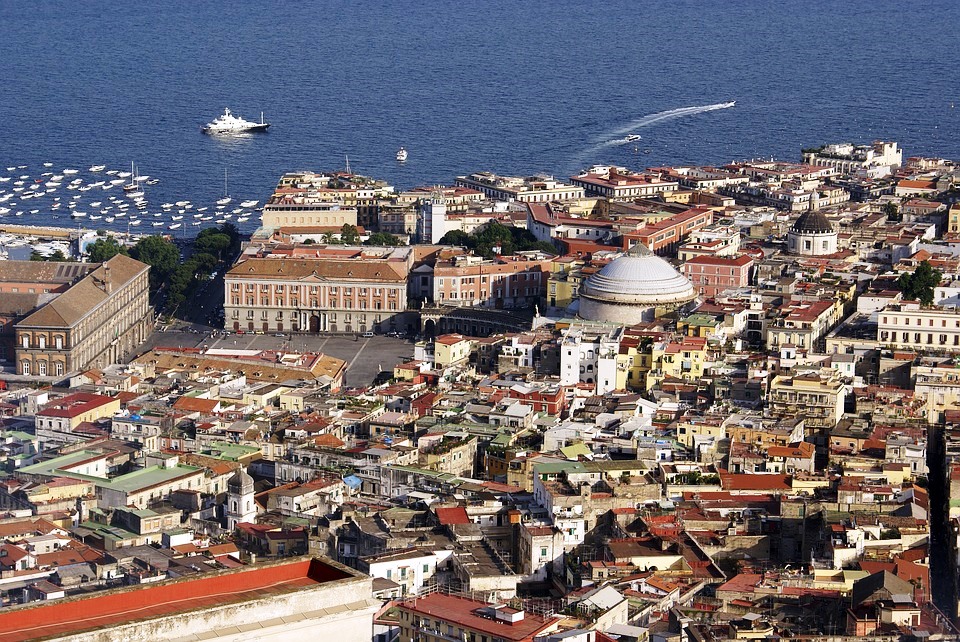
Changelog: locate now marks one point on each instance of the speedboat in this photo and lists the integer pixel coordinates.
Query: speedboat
(632, 137)
(249, 203)
(401, 154)
(98, 168)
(227, 123)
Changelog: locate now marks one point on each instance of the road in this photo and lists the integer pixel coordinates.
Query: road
(365, 357)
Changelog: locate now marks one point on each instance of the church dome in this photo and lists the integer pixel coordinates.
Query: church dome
(812, 223)
(639, 277)
(633, 288)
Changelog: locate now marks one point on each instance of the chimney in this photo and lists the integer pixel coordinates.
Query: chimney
(107, 283)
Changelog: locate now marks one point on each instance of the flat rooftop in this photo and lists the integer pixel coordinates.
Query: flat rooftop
(75, 615)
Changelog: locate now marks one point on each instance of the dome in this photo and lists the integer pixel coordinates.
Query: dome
(812, 223)
(639, 277)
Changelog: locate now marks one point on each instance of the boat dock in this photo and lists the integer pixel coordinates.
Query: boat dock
(42, 232)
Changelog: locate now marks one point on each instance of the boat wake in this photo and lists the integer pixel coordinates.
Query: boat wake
(616, 136)
(670, 114)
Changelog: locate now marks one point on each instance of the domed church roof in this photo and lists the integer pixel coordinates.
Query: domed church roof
(639, 277)
(811, 223)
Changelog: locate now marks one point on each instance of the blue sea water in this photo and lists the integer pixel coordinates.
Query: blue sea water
(503, 86)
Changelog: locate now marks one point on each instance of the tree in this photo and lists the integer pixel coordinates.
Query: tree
(36, 256)
(103, 249)
(349, 234)
(214, 242)
(160, 254)
(459, 238)
(382, 238)
(892, 211)
(920, 285)
(308, 241)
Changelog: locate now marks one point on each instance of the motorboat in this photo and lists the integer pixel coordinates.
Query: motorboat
(98, 168)
(632, 137)
(249, 203)
(402, 154)
(227, 123)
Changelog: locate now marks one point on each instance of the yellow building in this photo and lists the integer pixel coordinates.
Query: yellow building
(953, 218)
(692, 426)
(451, 349)
(683, 360)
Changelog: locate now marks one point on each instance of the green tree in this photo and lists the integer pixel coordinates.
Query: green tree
(382, 238)
(36, 256)
(213, 242)
(459, 238)
(308, 241)
(103, 249)
(892, 211)
(58, 256)
(160, 254)
(349, 234)
(920, 285)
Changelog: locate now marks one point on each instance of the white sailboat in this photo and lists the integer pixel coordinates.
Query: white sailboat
(226, 195)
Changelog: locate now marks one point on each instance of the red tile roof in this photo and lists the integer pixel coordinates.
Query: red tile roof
(74, 405)
(73, 616)
(453, 515)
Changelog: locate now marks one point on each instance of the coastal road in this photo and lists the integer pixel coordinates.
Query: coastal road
(365, 357)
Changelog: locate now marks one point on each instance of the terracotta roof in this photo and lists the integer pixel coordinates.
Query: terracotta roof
(452, 515)
(305, 269)
(85, 295)
(195, 404)
(74, 405)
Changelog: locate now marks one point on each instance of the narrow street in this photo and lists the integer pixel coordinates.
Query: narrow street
(943, 565)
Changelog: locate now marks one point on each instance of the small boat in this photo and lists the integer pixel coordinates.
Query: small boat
(153, 181)
(632, 137)
(134, 222)
(243, 219)
(224, 200)
(249, 203)
(157, 224)
(173, 226)
(133, 194)
(182, 203)
(48, 164)
(71, 171)
(109, 219)
(175, 218)
(98, 168)
(402, 154)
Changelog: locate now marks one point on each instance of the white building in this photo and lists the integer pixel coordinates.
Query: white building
(590, 356)
(433, 219)
(910, 326)
(871, 161)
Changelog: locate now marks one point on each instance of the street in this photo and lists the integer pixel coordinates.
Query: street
(365, 357)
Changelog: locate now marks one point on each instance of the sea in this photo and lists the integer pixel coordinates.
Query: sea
(511, 87)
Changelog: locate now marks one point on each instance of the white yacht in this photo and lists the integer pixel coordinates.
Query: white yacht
(227, 123)
(402, 155)
(249, 203)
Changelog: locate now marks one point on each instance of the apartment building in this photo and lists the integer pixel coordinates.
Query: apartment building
(876, 160)
(438, 617)
(910, 326)
(358, 292)
(309, 199)
(803, 324)
(817, 397)
(98, 320)
(618, 183)
(506, 282)
(531, 189)
(665, 236)
(711, 275)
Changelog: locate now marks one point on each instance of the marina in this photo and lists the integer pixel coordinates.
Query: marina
(53, 198)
